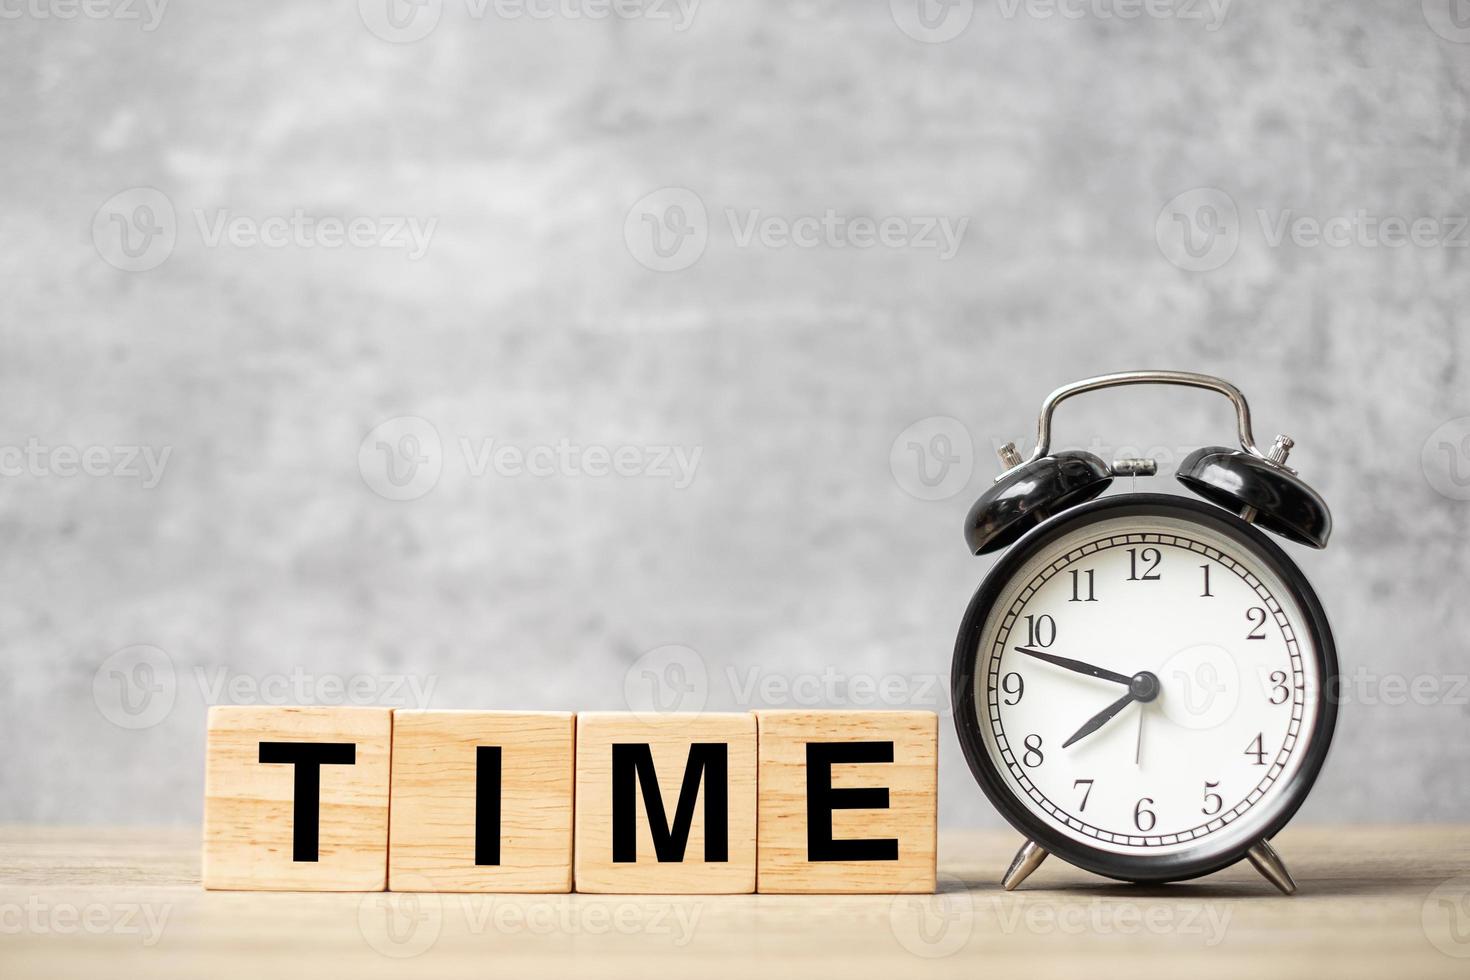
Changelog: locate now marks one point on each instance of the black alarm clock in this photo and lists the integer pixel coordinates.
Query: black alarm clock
(1143, 683)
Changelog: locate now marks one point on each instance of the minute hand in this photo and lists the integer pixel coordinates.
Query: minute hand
(1090, 669)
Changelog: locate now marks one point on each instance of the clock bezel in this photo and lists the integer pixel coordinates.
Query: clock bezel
(1192, 862)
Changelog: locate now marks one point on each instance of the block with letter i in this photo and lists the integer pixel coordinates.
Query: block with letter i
(848, 801)
(666, 804)
(296, 799)
(482, 801)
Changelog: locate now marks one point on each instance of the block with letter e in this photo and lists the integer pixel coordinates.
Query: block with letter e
(666, 804)
(848, 801)
(296, 799)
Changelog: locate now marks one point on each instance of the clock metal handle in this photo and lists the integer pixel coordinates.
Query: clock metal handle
(1183, 378)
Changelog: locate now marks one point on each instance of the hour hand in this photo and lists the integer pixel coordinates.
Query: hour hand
(1101, 718)
(1091, 670)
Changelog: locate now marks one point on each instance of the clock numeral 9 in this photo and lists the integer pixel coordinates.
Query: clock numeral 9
(1150, 557)
(1033, 751)
(1142, 815)
(1257, 617)
(1041, 631)
(1214, 803)
(1013, 684)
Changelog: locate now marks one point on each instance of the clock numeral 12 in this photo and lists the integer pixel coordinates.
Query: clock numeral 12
(1151, 557)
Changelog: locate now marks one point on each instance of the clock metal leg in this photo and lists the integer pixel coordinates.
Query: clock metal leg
(1027, 860)
(1268, 863)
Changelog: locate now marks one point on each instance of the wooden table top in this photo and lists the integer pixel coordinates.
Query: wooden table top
(1373, 902)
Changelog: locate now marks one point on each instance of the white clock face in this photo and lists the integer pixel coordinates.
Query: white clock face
(1147, 685)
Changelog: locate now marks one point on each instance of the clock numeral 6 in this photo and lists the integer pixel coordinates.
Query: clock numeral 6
(1013, 684)
(1214, 803)
(1149, 557)
(1033, 751)
(1041, 631)
(1142, 815)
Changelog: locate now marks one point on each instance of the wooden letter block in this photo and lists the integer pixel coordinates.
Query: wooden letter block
(482, 801)
(848, 801)
(296, 799)
(665, 804)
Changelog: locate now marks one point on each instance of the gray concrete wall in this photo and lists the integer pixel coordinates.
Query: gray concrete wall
(304, 444)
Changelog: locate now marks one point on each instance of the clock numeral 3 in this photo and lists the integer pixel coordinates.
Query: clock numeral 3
(1278, 686)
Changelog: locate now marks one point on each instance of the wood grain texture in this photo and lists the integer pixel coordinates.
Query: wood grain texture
(909, 818)
(432, 828)
(249, 805)
(669, 738)
(1369, 907)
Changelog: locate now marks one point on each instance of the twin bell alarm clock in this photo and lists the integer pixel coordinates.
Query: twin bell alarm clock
(1142, 682)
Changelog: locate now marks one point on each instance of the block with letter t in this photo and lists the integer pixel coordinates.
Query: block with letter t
(848, 801)
(666, 804)
(296, 799)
